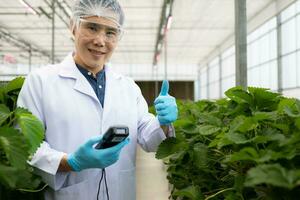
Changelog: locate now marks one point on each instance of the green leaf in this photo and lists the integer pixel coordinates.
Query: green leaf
(183, 123)
(261, 116)
(282, 127)
(268, 155)
(220, 141)
(168, 147)
(272, 174)
(31, 127)
(239, 95)
(243, 124)
(8, 176)
(16, 150)
(15, 84)
(200, 155)
(237, 138)
(268, 138)
(297, 123)
(248, 124)
(285, 102)
(209, 119)
(4, 113)
(208, 129)
(289, 111)
(247, 153)
(264, 99)
(191, 192)
(18, 178)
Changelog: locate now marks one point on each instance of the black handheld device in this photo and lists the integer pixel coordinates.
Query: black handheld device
(114, 135)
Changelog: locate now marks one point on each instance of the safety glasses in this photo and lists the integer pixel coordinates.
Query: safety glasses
(92, 29)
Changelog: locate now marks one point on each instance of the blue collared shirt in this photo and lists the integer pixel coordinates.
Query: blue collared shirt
(97, 83)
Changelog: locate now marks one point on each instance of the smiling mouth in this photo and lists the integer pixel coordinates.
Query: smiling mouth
(95, 52)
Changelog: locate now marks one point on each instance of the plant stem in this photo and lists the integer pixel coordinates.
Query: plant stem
(39, 190)
(214, 195)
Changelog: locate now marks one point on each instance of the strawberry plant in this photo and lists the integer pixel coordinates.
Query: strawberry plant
(243, 147)
(20, 135)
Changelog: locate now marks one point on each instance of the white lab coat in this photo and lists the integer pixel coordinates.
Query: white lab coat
(61, 97)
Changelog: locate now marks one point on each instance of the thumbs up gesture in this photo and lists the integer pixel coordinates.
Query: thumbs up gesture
(165, 105)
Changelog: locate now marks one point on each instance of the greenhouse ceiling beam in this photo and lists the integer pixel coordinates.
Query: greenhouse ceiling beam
(20, 43)
(165, 14)
(60, 16)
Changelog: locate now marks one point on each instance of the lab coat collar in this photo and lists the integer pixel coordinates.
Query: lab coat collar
(68, 69)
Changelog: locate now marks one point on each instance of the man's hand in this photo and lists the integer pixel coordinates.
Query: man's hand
(165, 106)
(86, 156)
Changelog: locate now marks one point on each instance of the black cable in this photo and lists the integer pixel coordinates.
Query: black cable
(100, 184)
(107, 195)
(105, 182)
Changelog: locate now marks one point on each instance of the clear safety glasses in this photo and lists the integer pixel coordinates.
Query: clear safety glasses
(92, 30)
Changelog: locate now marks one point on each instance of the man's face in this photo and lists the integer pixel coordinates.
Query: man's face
(95, 40)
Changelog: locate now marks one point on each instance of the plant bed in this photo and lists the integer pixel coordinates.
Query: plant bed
(244, 147)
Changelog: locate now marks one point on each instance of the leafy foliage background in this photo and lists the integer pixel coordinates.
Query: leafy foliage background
(20, 135)
(246, 146)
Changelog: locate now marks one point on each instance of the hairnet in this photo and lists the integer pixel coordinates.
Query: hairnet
(110, 9)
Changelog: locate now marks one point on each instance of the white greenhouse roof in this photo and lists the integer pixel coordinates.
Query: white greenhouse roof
(198, 28)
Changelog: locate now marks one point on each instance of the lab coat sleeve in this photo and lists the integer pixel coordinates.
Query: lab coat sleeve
(45, 160)
(150, 134)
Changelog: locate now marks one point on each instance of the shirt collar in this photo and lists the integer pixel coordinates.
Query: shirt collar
(87, 73)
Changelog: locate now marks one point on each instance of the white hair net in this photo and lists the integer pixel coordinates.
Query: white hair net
(110, 9)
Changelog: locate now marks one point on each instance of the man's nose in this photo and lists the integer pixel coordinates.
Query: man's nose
(100, 39)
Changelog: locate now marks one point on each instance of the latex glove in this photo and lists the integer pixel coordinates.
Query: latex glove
(86, 156)
(165, 105)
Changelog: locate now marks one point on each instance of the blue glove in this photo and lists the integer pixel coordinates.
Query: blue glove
(86, 156)
(165, 105)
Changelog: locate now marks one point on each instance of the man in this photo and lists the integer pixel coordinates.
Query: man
(79, 99)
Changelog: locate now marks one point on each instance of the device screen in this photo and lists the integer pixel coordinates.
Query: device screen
(120, 131)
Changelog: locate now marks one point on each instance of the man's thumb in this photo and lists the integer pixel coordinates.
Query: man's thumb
(164, 88)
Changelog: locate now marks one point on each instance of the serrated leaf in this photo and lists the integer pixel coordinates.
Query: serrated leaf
(237, 138)
(183, 123)
(16, 150)
(263, 98)
(285, 102)
(208, 129)
(290, 112)
(15, 84)
(249, 123)
(8, 176)
(282, 127)
(247, 153)
(297, 123)
(209, 119)
(272, 174)
(168, 147)
(239, 95)
(200, 155)
(191, 192)
(31, 127)
(270, 134)
(4, 113)
(261, 116)
(15, 178)
(268, 155)
(243, 124)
